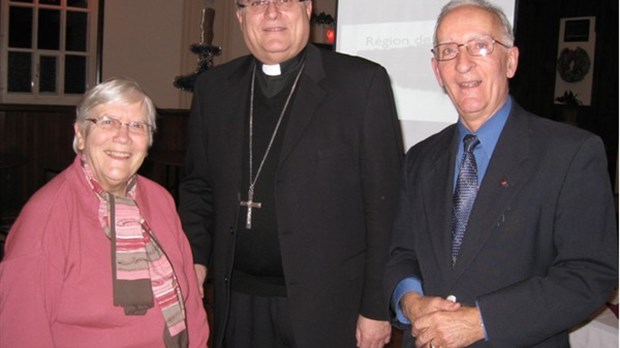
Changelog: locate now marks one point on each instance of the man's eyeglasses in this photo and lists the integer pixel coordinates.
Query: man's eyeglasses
(259, 6)
(477, 47)
(111, 124)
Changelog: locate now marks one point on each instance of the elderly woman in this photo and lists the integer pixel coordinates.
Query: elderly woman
(97, 257)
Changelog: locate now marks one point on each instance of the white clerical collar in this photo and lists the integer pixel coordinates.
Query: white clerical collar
(272, 70)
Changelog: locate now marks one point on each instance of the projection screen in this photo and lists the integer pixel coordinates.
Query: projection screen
(398, 34)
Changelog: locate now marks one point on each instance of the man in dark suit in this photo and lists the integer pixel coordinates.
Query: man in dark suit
(291, 187)
(509, 240)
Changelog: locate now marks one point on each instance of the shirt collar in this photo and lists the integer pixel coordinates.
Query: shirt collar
(270, 85)
(283, 68)
(489, 132)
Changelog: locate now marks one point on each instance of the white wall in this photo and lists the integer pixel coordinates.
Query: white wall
(149, 40)
(142, 40)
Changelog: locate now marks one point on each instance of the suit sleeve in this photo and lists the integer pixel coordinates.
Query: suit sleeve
(195, 203)
(381, 156)
(402, 262)
(584, 269)
(31, 277)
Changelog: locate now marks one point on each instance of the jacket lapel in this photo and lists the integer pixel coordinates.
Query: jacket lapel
(235, 115)
(438, 195)
(307, 99)
(504, 177)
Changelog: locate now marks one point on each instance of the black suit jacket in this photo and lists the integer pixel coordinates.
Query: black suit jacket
(336, 190)
(540, 251)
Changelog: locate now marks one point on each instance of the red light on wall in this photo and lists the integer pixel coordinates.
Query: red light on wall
(330, 35)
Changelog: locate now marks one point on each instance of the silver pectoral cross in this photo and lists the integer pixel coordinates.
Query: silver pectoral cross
(250, 204)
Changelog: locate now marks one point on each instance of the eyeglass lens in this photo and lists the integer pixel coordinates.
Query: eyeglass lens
(477, 47)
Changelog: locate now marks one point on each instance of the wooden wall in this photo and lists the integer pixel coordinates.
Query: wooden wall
(42, 137)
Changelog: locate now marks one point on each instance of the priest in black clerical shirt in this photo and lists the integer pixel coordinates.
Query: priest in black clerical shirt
(291, 186)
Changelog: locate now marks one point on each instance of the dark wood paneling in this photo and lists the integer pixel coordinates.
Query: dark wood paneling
(164, 163)
(43, 136)
(171, 130)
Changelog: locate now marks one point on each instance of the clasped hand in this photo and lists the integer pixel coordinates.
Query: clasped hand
(440, 323)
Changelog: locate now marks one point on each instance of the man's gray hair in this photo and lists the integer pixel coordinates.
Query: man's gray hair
(113, 90)
(507, 38)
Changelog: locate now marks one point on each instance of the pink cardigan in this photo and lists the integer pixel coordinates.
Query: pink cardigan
(56, 277)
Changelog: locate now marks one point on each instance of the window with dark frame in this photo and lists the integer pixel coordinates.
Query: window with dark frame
(51, 56)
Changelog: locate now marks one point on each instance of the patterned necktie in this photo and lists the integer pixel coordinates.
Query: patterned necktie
(464, 195)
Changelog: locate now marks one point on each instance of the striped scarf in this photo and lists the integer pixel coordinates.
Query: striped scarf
(141, 270)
